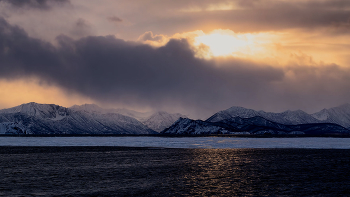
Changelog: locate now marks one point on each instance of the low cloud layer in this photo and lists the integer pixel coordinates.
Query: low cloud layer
(114, 71)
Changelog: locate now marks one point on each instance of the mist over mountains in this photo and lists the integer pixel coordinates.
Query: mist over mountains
(34, 118)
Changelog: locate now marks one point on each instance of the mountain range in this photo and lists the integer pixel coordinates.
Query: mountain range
(157, 121)
(239, 120)
(34, 118)
(337, 115)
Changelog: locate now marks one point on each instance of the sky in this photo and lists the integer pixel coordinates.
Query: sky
(194, 57)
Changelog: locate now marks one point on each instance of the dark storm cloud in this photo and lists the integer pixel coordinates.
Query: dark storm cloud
(115, 71)
(39, 4)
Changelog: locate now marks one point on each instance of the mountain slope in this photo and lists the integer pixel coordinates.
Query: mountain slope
(12, 128)
(338, 115)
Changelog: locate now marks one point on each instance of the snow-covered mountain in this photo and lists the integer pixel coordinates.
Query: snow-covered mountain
(185, 126)
(161, 120)
(254, 125)
(239, 120)
(157, 121)
(338, 115)
(286, 117)
(233, 112)
(45, 111)
(93, 108)
(34, 118)
(289, 117)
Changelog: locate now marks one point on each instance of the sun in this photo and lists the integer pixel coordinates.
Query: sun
(224, 43)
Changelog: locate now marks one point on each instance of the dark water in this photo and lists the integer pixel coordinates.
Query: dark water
(117, 171)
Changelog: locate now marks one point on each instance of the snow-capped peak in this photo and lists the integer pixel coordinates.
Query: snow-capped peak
(233, 112)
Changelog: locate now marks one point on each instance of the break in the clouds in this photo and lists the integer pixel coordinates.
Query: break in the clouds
(171, 77)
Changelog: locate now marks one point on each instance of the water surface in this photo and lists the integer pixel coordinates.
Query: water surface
(182, 142)
(118, 171)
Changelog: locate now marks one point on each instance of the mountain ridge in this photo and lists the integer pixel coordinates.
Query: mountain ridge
(35, 118)
(338, 115)
(54, 119)
(238, 120)
(156, 121)
(255, 125)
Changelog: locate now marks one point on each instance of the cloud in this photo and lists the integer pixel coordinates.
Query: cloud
(37, 4)
(115, 19)
(170, 77)
(246, 16)
(81, 23)
(80, 28)
(168, 18)
(149, 36)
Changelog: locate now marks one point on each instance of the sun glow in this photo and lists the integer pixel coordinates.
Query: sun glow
(227, 43)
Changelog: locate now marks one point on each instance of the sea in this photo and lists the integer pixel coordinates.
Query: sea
(174, 166)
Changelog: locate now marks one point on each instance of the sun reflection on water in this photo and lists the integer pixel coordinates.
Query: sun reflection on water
(218, 171)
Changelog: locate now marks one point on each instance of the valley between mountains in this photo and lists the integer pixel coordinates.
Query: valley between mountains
(89, 119)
